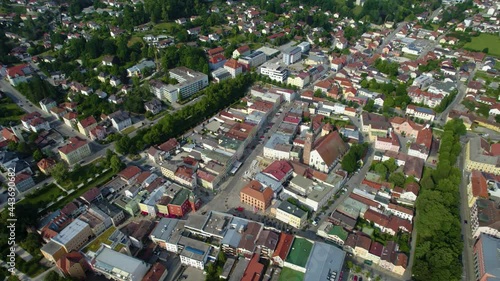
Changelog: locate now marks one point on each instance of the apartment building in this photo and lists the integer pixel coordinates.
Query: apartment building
(478, 157)
(76, 150)
(190, 82)
(117, 266)
(291, 55)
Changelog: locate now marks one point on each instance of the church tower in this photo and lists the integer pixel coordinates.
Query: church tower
(308, 147)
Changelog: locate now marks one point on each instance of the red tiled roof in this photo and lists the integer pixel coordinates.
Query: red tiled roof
(22, 177)
(376, 217)
(243, 49)
(254, 270)
(91, 194)
(129, 172)
(46, 163)
(284, 244)
(142, 177)
(17, 70)
(479, 184)
(400, 209)
(424, 138)
(232, 63)
(376, 249)
(88, 121)
(169, 145)
(330, 147)
(278, 169)
(204, 175)
(68, 260)
(75, 143)
(495, 149)
(9, 135)
(215, 51)
(255, 190)
(364, 242)
(155, 272)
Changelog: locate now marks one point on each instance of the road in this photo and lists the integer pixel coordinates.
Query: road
(230, 190)
(467, 256)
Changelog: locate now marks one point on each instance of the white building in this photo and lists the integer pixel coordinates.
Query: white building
(190, 82)
(274, 71)
(291, 55)
(420, 112)
(120, 120)
(194, 253)
(278, 147)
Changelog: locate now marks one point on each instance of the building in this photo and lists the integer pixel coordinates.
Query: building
(291, 55)
(75, 151)
(73, 265)
(233, 67)
(486, 259)
(253, 59)
(242, 51)
(120, 120)
(420, 112)
(138, 69)
(35, 122)
(46, 104)
(325, 263)
(194, 253)
(19, 74)
(256, 195)
(45, 165)
(325, 152)
(274, 71)
(183, 202)
(291, 214)
(24, 181)
(254, 270)
(190, 82)
(374, 125)
(478, 157)
(282, 249)
(299, 254)
(71, 238)
(86, 125)
(333, 233)
(117, 266)
(158, 272)
(388, 143)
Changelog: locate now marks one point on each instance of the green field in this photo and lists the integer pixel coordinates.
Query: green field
(299, 252)
(288, 274)
(45, 195)
(483, 41)
(103, 238)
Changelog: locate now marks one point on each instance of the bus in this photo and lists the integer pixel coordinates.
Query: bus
(235, 168)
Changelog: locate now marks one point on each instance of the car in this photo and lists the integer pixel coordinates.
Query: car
(360, 278)
(465, 221)
(355, 278)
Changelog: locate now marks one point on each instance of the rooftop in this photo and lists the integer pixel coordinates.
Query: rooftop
(118, 263)
(291, 209)
(68, 233)
(325, 262)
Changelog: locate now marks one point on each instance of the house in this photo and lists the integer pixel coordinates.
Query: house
(76, 150)
(374, 124)
(70, 119)
(45, 165)
(98, 133)
(405, 126)
(233, 67)
(414, 166)
(130, 174)
(256, 195)
(169, 147)
(154, 106)
(420, 112)
(108, 60)
(120, 120)
(19, 74)
(35, 122)
(241, 52)
(46, 104)
(138, 69)
(23, 182)
(86, 125)
(479, 157)
(388, 143)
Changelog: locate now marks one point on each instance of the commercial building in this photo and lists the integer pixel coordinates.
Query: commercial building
(291, 55)
(291, 214)
(72, 237)
(75, 151)
(486, 259)
(325, 263)
(256, 195)
(194, 253)
(117, 266)
(253, 60)
(274, 71)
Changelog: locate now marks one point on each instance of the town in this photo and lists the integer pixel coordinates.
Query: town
(250, 140)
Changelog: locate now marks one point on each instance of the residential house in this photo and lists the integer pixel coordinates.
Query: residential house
(86, 125)
(120, 120)
(76, 150)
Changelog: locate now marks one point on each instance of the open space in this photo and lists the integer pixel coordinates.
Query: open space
(44, 196)
(483, 41)
(299, 253)
(288, 274)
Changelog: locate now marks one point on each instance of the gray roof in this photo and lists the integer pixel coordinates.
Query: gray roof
(325, 261)
(164, 229)
(266, 180)
(51, 247)
(476, 153)
(118, 263)
(233, 236)
(291, 209)
(491, 257)
(70, 231)
(194, 249)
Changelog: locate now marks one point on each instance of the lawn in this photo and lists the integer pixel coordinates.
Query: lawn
(168, 26)
(45, 195)
(76, 177)
(133, 40)
(299, 253)
(288, 274)
(103, 178)
(128, 130)
(483, 41)
(9, 112)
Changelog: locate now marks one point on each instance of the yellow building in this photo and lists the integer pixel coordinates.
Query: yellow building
(291, 214)
(75, 151)
(72, 237)
(477, 158)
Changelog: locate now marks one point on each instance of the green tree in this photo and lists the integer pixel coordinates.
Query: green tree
(116, 164)
(397, 178)
(38, 155)
(59, 172)
(349, 163)
(381, 170)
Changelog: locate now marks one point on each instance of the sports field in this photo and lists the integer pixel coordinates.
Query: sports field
(288, 274)
(299, 252)
(483, 41)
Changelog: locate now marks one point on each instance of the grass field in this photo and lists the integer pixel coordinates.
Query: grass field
(128, 130)
(133, 40)
(103, 238)
(45, 195)
(288, 274)
(299, 253)
(483, 41)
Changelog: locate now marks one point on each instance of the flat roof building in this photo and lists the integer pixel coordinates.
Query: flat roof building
(325, 263)
(118, 266)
